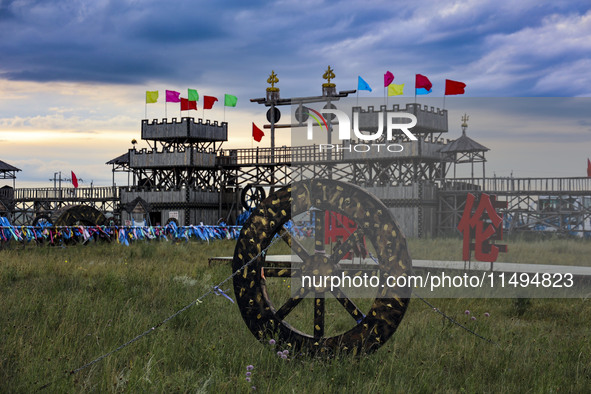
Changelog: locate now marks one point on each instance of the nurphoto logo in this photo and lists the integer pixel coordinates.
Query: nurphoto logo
(392, 120)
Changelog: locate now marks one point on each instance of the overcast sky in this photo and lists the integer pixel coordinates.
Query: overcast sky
(73, 73)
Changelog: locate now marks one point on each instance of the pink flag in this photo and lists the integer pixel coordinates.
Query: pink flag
(173, 97)
(388, 78)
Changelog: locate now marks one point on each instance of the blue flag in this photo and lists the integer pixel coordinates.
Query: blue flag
(362, 85)
(420, 91)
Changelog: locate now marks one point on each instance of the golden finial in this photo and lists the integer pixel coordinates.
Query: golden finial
(465, 119)
(328, 75)
(272, 80)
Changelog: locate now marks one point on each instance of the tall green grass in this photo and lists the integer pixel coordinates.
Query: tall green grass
(62, 307)
(554, 251)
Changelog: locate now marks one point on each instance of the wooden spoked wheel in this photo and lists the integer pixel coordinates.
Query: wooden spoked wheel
(367, 329)
(252, 196)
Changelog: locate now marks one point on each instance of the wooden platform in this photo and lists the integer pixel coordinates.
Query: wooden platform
(576, 271)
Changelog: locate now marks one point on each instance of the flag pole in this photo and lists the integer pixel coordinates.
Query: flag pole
(166, 110)
(415, 88)
(146, 110)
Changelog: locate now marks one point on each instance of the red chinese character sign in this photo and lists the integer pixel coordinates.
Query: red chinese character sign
(482, 224)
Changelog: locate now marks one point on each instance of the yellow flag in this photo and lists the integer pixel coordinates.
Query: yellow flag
(395, 90)
(151, 97)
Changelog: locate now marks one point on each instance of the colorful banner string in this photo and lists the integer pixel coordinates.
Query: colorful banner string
(121, 234)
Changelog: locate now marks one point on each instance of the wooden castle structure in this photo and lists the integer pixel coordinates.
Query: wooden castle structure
(185, 176)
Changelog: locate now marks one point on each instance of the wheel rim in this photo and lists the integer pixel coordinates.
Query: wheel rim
(252, 196)
(267, 319)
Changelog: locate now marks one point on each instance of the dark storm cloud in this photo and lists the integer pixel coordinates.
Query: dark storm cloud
(124, 42)
(484, 43)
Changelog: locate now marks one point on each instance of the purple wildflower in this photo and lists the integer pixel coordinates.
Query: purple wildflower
(272, 342)
(286, 352)
(486, 314)
(280, 354)
(473, 317)
(248, 379)
(248, 373)
(284, 356)
(249, 367)
(467, 312)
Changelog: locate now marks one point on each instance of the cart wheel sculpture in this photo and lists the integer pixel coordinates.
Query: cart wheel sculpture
(79, 215)
(41, 220)
(367, 330)
(251, 196)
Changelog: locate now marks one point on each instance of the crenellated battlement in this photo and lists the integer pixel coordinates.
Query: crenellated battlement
(187, 129)
(429, 119)
(171, 158)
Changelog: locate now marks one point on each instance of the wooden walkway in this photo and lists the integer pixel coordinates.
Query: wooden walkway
(576, 271)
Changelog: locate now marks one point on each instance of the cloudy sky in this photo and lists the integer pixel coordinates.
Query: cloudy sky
(73, 73)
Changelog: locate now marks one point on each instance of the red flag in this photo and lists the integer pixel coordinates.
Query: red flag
(454, 87)
(208, 101)
(257, 133)
(74, 180)
(186, 104)
(589, 168)
(422, 81)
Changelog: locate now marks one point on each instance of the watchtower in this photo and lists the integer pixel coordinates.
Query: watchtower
(177, 177)
(405, 180)
(6, 192)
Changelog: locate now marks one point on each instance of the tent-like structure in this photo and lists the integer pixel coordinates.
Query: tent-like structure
(465, 150)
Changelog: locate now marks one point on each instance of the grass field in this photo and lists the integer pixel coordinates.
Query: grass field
(62, 307)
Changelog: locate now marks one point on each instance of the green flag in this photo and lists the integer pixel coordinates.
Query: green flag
(151, 97)
(230, 101)
(193, 95)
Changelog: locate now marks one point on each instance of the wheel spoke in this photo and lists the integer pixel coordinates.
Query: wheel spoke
(346, 247)
(294, 244)
(274, 272)
(290, 304)
(319, 317)
(319, 224)
(348, 305)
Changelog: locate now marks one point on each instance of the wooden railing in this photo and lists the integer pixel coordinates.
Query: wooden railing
(312, 154)
(282, 155)
(66, 193)
(514, 185)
